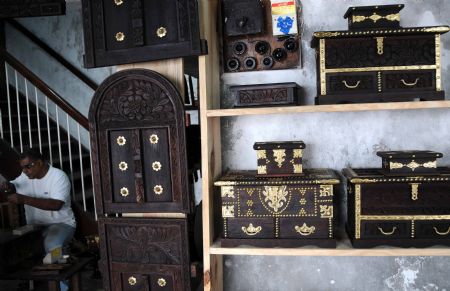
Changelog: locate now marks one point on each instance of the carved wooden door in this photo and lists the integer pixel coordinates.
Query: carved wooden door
(138, 145)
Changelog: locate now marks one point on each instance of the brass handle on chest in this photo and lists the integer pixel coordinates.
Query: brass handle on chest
(441, 233)
(305, 230)
(118, 2)
(351, 86)
(251, 230)
(386, 232)
(410, 84)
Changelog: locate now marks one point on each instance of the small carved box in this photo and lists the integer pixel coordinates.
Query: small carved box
(27, 8)
(279, 158)
(243, 17)
(266, 95)
(374, 16)
(405, 211)
(284, 211)
(409, 162)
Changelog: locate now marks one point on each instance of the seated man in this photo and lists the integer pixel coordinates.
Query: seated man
(45, 193)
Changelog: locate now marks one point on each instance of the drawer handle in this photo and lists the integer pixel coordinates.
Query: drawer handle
(305, 230)
(441, 233)
(410, 84)
(118, 2)
(158, 189)
(121, 140)
(156, 166)
(154, 139)
(123, 166)
(124, 192)
(351, 86)
(388, 233)
(161, 32)
(251, 230)
(132, 281)
(162, 282)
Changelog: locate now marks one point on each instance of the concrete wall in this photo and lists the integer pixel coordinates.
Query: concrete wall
(339, 140)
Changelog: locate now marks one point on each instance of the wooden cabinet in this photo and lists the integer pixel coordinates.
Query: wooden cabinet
(26, 8)
(147, 30)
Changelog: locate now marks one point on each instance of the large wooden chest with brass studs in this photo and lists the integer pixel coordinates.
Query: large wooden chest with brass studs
(406, 211)
(283, 211)
(379, 65)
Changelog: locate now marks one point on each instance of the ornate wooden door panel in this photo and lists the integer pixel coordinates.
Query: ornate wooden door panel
(138, 145)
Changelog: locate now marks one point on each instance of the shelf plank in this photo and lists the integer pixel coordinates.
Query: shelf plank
(343, 249)
(329, 108)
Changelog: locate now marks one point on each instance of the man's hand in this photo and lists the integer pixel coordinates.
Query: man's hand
(7, 188)
(16, 198)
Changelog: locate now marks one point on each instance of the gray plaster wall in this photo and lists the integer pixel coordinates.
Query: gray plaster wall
(338, 140)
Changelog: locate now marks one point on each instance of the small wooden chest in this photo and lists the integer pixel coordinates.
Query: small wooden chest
(286, 211)
(409, 162)
(280, 94)
(407, 211)
(380, 16)
(379, 65)
(280, 158)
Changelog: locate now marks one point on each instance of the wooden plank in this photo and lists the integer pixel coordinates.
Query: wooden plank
(329, 108)
(343, 249)
(172, 69)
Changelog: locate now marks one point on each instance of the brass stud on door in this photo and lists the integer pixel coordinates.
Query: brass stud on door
(123, 166)
(154, 139)
(132, 281)
(156, 166)
(162, 282)
(158, 189)
(118, 2)
(161, 32)
(124, 192)
(121, 140)
(120, 36)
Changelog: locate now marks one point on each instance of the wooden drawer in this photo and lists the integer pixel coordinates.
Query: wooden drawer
(380, 51)
(436, 229)
(426, 198)
(134, 278)
(249, 228)
(305, 228)
(349, 83)
(409, 80)
(385, 229)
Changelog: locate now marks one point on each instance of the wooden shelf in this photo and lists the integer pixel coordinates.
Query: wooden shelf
(343, 249)
(328, 108)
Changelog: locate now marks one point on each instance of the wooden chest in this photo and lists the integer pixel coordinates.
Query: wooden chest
(27, 8)
(283, 158)
(144, 254)
(284, 211)
(379, 16)
(130, 31)
(408, 211)
(279, 94)
(379, 65)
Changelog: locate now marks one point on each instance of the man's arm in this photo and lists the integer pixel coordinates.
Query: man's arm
(41, 203)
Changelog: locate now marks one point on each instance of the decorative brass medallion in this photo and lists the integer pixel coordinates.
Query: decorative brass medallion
(161, 32)
(297, 153)
(156, 166)
(162, 282)
(380, 45)
(158, 189)
(227, 192)
(124, 192)
(430, 165)
(132, 281)
(277, 198)
(326, 190)
(305, 230)
(262, 169)
(375, 17)
(279, 157)
(154, 139)
(326, 211)
(123, 166)
(415, 191)
(261, 154)
(298, 168)
(228, 211)
(251, 230)
(118, 2)
(120, 36)
(413, 165)
(121, 140)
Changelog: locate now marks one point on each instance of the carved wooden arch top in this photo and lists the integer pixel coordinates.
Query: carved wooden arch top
(137, 96)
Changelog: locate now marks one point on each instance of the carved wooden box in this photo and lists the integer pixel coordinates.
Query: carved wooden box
(26, 8)
(130, 31)
(380, 16)
(278, 94)
(409, 162)
(144, 254)
(138, 145)
(406, 211)
(379, 65)
(285, 211)
(248, 40)
(283, 158)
